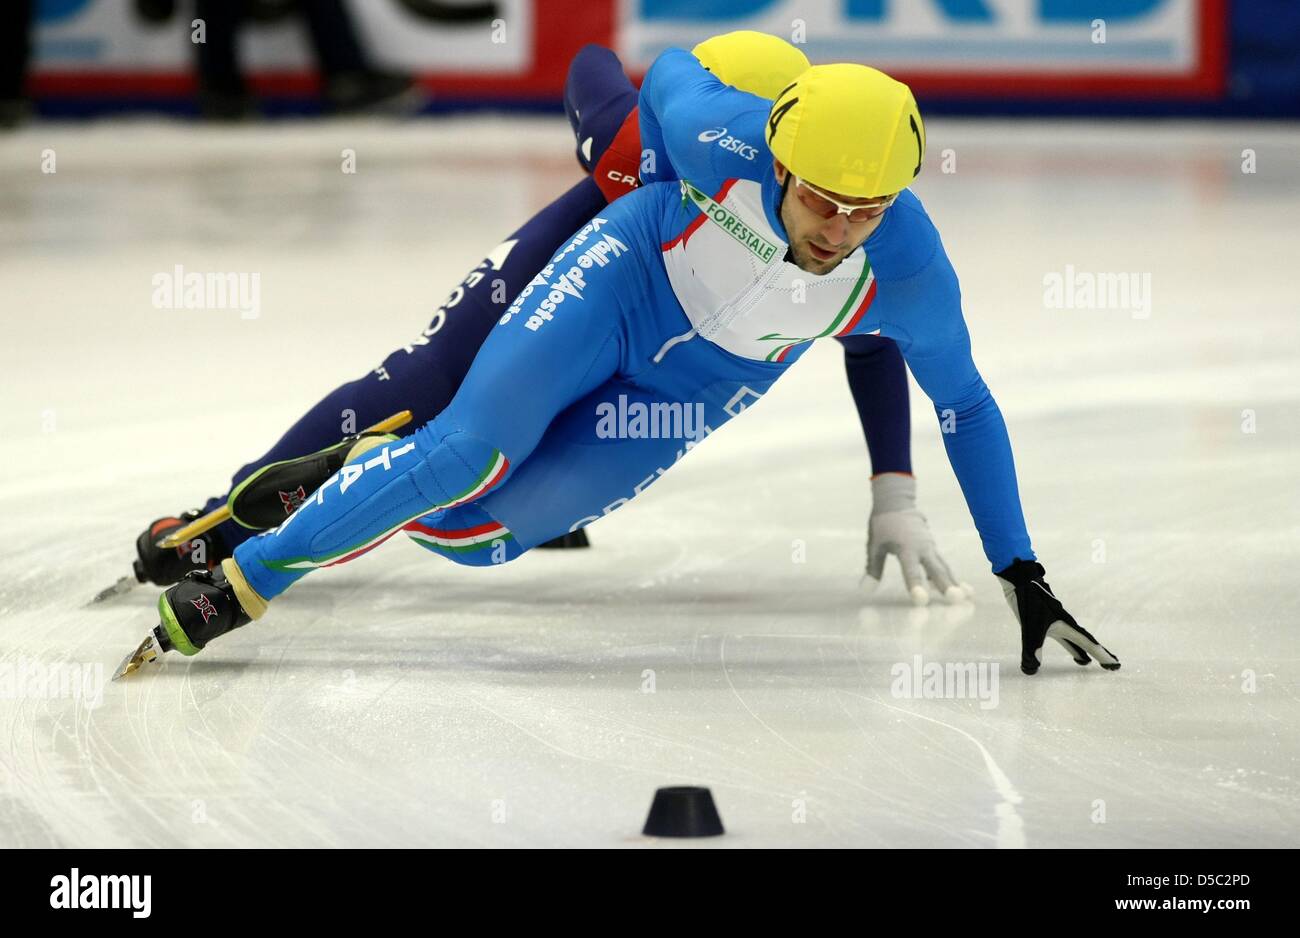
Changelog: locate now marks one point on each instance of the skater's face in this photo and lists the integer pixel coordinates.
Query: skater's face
(818, 243)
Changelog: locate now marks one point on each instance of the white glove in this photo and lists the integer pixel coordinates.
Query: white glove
(898, 527)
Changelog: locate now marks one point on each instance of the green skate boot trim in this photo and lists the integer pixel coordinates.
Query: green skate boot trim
(175, 634)
(272, 493)
(202, 607)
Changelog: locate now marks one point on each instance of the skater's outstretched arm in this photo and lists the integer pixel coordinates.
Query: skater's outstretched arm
(920, 308)
(878, 381)
(695, 125)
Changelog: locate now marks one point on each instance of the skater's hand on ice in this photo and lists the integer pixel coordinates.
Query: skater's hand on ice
(1041, 616)
(898, 528)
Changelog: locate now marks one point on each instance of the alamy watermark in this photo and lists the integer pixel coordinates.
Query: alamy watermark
(950, 680)
(79, 890)
(29, 679)
(181, 289)
(657, 420)
(1083, 289)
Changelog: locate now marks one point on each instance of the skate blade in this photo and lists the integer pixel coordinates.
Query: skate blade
(147, 652)
(123, 585)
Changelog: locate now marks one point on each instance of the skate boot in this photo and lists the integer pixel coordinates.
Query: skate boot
(268, 496)
(576, 538)
(165, 566)
(201, 607)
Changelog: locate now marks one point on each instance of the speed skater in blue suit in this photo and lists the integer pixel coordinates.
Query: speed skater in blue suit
(422, 376)
(764, 226)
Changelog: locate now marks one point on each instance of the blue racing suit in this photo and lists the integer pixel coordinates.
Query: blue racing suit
(670, 312)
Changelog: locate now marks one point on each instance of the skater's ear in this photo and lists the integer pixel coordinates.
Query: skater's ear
(779, 168)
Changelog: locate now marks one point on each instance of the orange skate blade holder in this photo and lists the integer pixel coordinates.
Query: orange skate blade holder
(216, 516)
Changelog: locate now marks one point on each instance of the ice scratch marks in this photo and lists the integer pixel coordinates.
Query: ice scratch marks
(881, 797)
(1010, 825)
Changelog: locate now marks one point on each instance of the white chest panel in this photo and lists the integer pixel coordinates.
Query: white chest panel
(728, 272)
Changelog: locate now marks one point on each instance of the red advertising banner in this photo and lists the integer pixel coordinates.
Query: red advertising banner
(519, 50)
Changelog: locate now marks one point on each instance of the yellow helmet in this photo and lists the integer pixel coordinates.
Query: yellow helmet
(848, 129)
(755, 62)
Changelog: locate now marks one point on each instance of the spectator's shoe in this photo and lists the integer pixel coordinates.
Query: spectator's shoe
(13, 111)
(226, 106)
(384, 92)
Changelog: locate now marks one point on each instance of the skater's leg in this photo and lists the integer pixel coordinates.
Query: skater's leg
(423, 376)
(597, 100)
(467, 535)
(560, 339)
(577, 473)
(595, 457)
(610, 446)
(602, 307)
(600, 103)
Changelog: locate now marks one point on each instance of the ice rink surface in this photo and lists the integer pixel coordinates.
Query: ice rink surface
(402, 700)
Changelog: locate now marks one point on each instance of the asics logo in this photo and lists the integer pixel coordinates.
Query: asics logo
(727, 142)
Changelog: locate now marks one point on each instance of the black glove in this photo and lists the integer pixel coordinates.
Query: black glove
(1041, 614)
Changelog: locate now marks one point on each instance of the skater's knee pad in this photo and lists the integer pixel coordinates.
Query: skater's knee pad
(459, 467)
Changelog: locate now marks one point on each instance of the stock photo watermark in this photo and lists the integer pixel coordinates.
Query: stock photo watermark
(948, 680)
(29, 679)
(88, 891)
(211, 290)
(1101, 290)
(657, 420)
